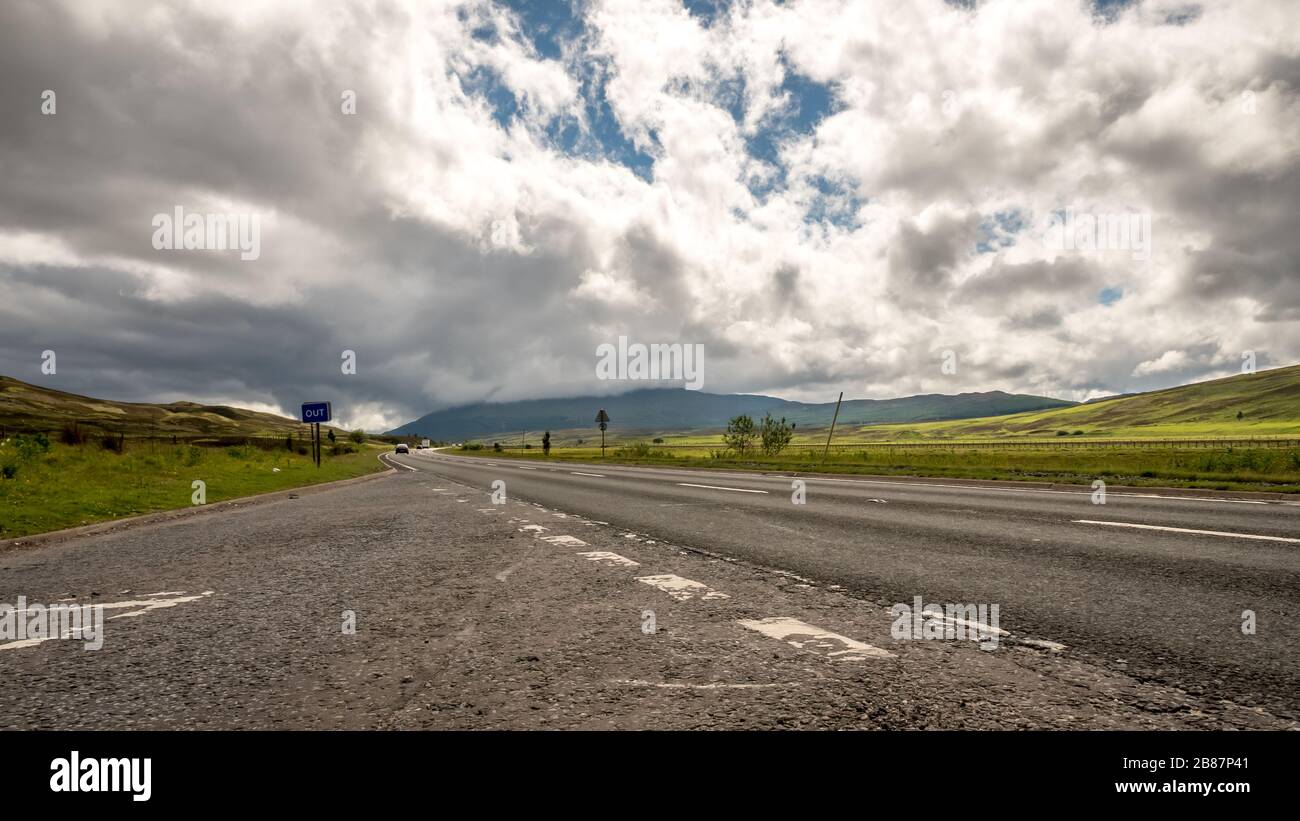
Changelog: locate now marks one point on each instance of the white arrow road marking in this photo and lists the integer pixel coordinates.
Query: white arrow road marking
(141, 606)
(682, 589)
(1190, 530)
(814, 639)
(609, 559)
(715, 487)
(567, 541)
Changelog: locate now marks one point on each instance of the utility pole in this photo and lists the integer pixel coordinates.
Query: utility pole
(834, 419)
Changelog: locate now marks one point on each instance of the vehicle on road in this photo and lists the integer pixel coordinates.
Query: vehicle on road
(403, 449)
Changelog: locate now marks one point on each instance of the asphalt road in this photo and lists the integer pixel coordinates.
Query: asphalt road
(1159, 605)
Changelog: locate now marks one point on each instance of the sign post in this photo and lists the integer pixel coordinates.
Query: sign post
(602, 419)
(314, 413)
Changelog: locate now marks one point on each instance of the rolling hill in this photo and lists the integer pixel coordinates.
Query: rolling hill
(666, 410)
(1268, 401)
(27, 407)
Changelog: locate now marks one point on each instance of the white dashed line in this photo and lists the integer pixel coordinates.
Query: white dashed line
(816, 640)
(567, 541)
(609, 559)
(716, 487)
(1190, 530)
(682, 589)
(597, 475)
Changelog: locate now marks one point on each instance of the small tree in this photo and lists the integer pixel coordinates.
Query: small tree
(1240, 415)
(331, 437)
(774, 435)
(546, 443)
(740, 434)
(358, 436)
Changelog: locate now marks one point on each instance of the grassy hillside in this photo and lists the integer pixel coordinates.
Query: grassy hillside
(1269, 402)
(26, 407)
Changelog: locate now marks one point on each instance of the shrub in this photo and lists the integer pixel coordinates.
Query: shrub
(339, 450)
(9, 471)
(472, 446)
(72, 434)
(1062, 433)
(658, 440)
(239, 452)
(302, 451)
(111, 442)
(636, 450)
(193, 456)
(740, 434)
(774, 435)
(358, 436)
(496, 446)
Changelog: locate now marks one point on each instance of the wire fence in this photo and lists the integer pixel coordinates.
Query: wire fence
(1283, 442)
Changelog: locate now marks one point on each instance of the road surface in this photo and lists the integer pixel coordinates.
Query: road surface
(1145, 583)
(605, 597)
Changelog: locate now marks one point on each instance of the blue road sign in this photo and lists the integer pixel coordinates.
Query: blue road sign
(316, 411)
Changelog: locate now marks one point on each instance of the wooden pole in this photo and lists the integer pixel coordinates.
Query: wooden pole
(834, 419)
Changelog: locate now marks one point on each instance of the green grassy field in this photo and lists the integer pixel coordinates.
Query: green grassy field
(1260, 469)
(67, 486)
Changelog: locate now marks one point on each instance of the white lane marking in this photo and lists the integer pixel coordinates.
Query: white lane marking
(567, 541)
(974, 630)
(881, 501)
(1190, 530)
(814, 639)
(682, 589)
(488, 510)
(578, 473)
(1054, 646)
(716, 487)
(609, 559)
(521, 467)
(717, 685)
(142, 606)
(534, 528)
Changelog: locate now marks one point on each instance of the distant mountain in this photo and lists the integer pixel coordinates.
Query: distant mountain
(27, 407)
(658, 409)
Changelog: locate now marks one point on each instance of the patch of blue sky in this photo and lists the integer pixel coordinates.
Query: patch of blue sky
(1000, 231)
(549, 24)
(836, 203)
(1109, 296)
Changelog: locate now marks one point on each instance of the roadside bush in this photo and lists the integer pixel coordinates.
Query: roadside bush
(774, 435)
(339, 450)
(740, 434)
(72, 434)
(1062, 433)
(302, 451)
(29, 447)
(636, 450)
(358, 436)
(193, 455)
(239, 452)
(658, 440)
(111, 442)
(496, 446)
(9, 471)
(472, 446)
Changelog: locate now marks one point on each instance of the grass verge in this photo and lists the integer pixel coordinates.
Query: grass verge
(57, 486)
(1257, 469)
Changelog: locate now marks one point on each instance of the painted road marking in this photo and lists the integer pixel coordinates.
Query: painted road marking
(609, 559)
(975, 630)
(682, 589)
(137, 607)
(597, 475)
(715, 487)
(521, 467)
(1190, 530)
(567, 541)
(814, 639)
(534, 528)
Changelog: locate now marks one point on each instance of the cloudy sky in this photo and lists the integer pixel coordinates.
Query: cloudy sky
(827, 195)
